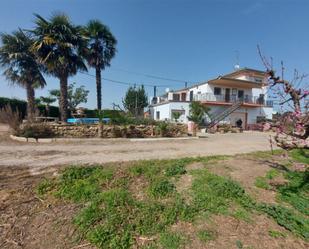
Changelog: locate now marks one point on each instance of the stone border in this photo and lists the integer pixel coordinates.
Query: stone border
(50, 140)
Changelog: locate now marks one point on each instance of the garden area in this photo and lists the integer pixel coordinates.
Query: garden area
(255, 200)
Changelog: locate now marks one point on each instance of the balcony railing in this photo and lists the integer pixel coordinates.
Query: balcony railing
(248, 99)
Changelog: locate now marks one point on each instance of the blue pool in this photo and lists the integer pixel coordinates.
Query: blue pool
(86, 120)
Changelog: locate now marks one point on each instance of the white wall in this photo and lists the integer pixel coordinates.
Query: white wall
(166, 111)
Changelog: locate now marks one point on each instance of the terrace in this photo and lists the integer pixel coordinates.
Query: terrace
(224, 99)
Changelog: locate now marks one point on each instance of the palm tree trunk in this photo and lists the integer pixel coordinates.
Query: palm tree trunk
(63, 103)
(30, 102)
(99, 87)
(99, 99)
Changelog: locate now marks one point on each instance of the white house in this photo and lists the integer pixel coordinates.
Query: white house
(241, 94)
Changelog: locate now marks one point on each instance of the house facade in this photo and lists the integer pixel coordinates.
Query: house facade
(246, 89)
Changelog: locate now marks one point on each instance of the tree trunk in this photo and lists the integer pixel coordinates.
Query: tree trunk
(99, 87)
(30, 102)
(63, 103)
(99, 100)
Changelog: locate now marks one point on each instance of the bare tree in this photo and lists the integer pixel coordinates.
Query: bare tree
(293, 126)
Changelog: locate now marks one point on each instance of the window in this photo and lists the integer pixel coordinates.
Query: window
(176, 114)
(157, 115)
(176, 97)
(191, 95)
(234, 91)
(240, 94)
(258, 80)
(217, 91)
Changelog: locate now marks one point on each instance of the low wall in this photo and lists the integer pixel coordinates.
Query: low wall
(114, 131)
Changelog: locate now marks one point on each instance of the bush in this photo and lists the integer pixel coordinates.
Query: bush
(10, 117)
(162, 128)
(36, 131)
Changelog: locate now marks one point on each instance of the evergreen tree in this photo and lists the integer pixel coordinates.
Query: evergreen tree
(135, 101)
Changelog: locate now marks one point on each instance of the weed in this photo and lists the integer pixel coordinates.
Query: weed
(45, 186)
(242, 214)
(177, 168)
(276, 234)
(215, 193)
(296, 191)
(261, 182)
(300, 155)
(271, 174)
(287, 218)
(161, 188)
(82, 183)
(171, 240)
(205, 235)
(239, 244)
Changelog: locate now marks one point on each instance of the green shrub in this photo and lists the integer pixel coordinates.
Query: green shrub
(162, 128)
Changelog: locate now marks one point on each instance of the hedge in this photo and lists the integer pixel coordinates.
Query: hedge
(21, 106)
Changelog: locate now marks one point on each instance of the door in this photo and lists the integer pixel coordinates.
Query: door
(227, 94)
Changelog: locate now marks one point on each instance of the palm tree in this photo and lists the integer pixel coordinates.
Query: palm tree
(20, 65)
(101, 48)
(57, 46)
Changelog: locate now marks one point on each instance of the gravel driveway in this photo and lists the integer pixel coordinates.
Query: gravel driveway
(39, 156)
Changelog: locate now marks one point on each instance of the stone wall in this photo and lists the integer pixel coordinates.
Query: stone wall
(114, 131)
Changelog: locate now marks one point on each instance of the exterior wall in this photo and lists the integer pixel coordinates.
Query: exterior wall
(252, 114)
(166, 110)
(263, 111)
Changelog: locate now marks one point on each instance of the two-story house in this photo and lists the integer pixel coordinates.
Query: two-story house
(241, 94)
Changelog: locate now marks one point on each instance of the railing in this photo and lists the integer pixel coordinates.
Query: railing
(248, 99)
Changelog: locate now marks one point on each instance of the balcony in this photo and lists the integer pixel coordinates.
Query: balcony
(223, 99)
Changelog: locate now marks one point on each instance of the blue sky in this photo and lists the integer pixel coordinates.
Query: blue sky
(190, 40)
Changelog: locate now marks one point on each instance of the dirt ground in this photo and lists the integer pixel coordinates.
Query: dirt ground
(37, 156)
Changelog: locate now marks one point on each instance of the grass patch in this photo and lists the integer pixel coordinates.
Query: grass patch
(287, 218)
(300, 155)
(276, 234)
(178, 168)
(271, 174)
(296, 191)
(242, 214)
(215, 193)
(261, 182)
(45, 186)
(82, 183)
(171, 240)
(205, 235)
(161, 188)
(112, 218)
